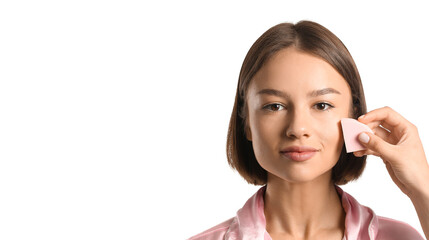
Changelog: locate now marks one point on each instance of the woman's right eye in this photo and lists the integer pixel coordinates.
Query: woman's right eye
(274, 107)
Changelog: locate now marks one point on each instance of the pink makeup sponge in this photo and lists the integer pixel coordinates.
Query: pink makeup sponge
(351, 130)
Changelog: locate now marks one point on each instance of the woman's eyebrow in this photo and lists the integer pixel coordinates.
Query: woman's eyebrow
(323, 91)
(274, 92)
(312, 94)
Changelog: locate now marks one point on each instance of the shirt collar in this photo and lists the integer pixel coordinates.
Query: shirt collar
(249, 223)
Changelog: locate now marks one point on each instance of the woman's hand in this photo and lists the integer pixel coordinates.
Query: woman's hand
(397, 142)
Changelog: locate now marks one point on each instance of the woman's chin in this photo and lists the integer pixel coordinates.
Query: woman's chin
(301, 176)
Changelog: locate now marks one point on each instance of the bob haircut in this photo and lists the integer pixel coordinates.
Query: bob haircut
(312, 38)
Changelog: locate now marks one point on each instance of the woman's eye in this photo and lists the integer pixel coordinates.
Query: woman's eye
(273, 107)
(323, 106)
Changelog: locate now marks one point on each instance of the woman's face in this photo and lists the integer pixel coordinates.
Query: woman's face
(297, 99)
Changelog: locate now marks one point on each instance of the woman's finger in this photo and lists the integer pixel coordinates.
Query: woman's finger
(377, 145)
(387, 117)
(385, 134)
(376, 124)
(365, 152)
(381, 132)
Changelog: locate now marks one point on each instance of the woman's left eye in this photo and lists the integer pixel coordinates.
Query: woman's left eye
(323, 106)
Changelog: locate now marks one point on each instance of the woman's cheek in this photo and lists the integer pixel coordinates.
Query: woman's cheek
(268, 129)
(330, 132)
(338, 136)
(266, 134)
(259, 128)
(263, 141)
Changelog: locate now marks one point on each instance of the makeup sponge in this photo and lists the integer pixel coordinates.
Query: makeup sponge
(351, 130)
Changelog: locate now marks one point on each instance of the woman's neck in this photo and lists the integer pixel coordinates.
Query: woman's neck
(303, 210)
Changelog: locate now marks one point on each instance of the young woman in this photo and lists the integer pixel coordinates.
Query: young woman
(295, 85)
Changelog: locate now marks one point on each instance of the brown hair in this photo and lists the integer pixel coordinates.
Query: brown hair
(309, 37)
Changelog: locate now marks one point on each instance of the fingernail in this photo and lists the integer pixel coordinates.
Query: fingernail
(361, 117)
(363, 137)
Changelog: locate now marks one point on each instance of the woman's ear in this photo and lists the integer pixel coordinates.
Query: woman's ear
(355, 111)
(248, 132)
(355, 107)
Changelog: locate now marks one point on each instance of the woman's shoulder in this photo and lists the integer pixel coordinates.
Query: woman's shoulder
(363, 221)
(214, 233)
(393, 229)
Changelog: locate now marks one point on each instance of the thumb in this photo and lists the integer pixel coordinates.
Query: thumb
(376, 144)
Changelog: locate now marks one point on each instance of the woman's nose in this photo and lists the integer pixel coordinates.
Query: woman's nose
(297, 126)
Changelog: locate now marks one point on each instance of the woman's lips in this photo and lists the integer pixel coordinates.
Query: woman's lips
(299, 156)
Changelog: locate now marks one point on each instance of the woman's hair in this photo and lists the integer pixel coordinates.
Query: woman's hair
(312, 38)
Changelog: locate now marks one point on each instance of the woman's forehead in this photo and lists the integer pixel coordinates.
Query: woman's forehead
(294, 70)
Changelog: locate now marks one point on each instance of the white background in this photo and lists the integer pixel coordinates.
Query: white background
(114, 114)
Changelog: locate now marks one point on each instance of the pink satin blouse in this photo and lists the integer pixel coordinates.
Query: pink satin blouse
(361, 223)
